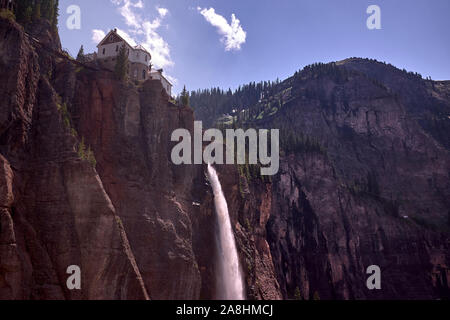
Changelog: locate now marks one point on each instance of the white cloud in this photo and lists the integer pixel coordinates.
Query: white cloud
(233, 35)
(98, 35)
(145, 31)
(126, 10)
(139, 4)
(162, 12)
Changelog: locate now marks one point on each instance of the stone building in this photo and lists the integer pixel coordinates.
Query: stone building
(138, 57)
(158, 75)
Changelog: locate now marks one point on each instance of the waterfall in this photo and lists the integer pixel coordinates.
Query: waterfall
(230, 285)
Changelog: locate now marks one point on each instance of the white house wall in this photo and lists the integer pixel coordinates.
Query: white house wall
(166, 84)
(139, 57)
(112, 50)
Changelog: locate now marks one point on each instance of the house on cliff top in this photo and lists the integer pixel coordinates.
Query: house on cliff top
(138, 58)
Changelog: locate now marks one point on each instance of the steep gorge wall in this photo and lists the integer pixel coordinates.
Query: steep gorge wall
(129, 131)
(132, 223)
(54, 209)
(173, 240)
(377, 195)
(324, 237)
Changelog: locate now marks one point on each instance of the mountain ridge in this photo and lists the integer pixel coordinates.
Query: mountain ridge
(86, 179)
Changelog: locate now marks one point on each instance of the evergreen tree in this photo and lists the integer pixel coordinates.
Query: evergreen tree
(55, 13)
(28, 11)
(297, 294)
(316, 296)
(90, 156)
(82, 149)
(80, 55)
(121, 67)
(47, 9)
(24, 11)
(37, 11)
(28, 15)
(185, 97)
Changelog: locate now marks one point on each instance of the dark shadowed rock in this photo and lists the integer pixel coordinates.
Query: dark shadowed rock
(364, 180)
(54, 209)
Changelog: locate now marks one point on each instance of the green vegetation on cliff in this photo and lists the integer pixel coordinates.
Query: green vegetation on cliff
(7, 14)
(29, 11)
(121, 67)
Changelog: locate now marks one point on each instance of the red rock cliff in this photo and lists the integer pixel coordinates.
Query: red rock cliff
(55, 211)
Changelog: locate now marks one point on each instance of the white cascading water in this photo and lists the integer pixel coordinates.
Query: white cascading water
(230, 284)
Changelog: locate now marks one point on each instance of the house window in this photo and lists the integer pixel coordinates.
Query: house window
(117, 48)
(111, 38)
(145, 57)
(143, 74)
(104, 50)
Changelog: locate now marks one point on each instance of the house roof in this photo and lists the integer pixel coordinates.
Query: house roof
(115, 33)
(140, 47)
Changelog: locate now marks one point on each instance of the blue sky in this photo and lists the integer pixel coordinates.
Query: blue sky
(200, 44)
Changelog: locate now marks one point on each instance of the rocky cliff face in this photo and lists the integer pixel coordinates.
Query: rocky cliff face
(373, 190)
(55, 211)
(364, 180)
(369, 185)
(126, 218)
(126, 221)
(129, 130)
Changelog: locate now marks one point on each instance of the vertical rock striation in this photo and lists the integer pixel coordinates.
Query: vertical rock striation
(54, 209)
(370, 185)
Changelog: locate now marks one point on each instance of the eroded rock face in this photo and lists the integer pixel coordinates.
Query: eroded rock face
(366, 184)
(173, 240)
(377, 195)
(140, 227)
(425, 100)
(128, 222)
(129, 130)
(323, 238)
(54, 209)
(249, 205)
